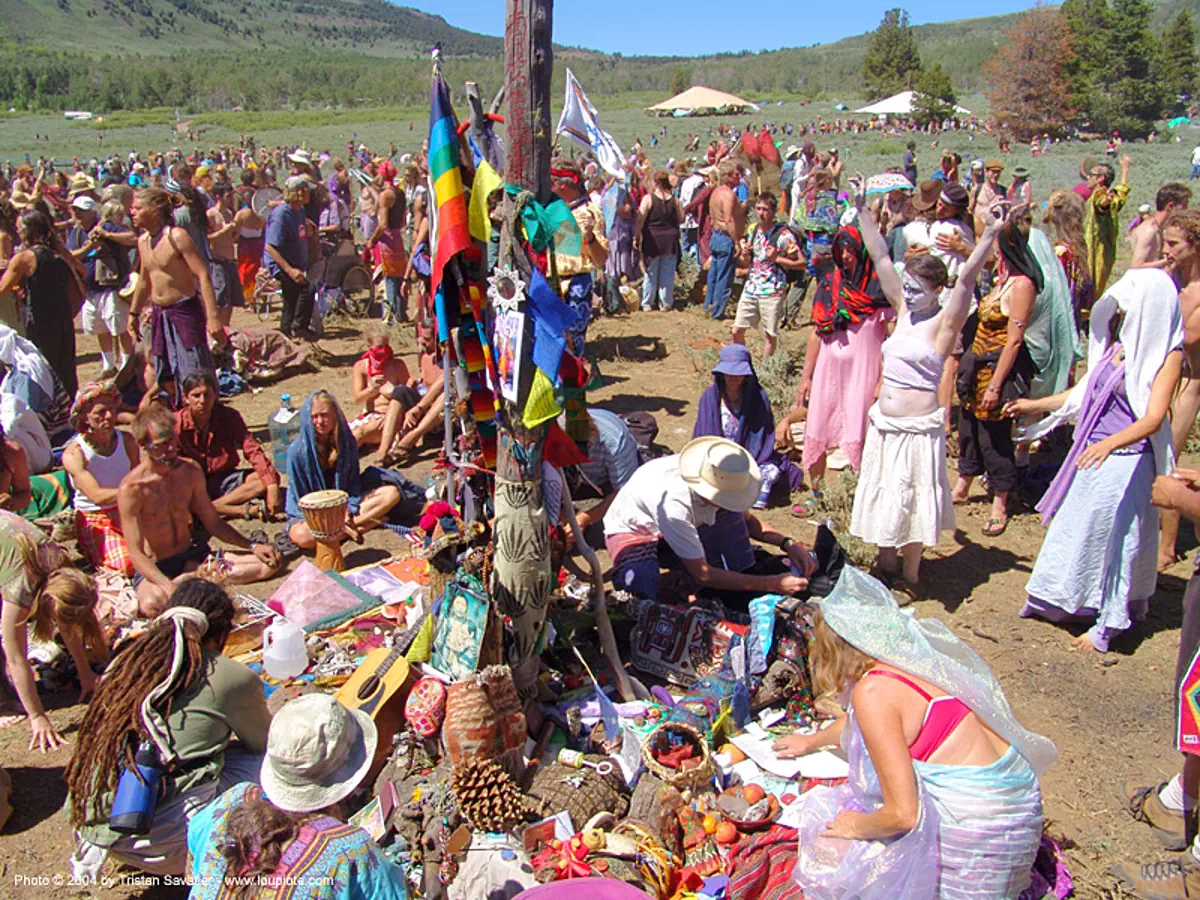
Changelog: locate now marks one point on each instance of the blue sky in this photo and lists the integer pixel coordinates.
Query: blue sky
(701, 27)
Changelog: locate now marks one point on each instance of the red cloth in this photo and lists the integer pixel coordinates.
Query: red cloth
(762, 866)
(560, 450)
(377, 358)
(216, 451)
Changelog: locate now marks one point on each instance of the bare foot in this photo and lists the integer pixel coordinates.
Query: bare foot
(1083, 642)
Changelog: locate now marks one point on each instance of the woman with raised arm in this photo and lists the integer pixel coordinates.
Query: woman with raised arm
(903, 497)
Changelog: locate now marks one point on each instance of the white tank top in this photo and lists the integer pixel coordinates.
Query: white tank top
(107, 470)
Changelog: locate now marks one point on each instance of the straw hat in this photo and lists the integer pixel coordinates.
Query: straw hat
(721, 472)
(317, 753)
(81, 184)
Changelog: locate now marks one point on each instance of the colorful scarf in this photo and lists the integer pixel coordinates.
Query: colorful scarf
(85, 397)
(846, 298)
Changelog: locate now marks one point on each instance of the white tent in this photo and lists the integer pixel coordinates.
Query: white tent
(899, 105)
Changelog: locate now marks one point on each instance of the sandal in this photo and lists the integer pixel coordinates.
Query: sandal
(905, 591)
(255, 509)
(807, 508)
(285, 546)
(995, 527)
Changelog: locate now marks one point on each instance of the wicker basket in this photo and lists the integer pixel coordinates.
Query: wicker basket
(679, 778)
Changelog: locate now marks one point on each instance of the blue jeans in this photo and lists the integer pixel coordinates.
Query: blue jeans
(720, 273)
(1194, 173)
(660, 281)
(397, 300)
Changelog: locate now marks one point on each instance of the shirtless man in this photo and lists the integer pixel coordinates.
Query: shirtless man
(381, 380)
(170, 270)
(1181, 251)
(223, 265)
(728, 228)
(158, 501)
(250, 228)
(1147, 237)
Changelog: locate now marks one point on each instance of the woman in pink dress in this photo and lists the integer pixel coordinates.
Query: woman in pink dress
(844, 358)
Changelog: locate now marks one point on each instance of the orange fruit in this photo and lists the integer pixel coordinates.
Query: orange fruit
(710, 824)
(753, 793)
(735, 755)
(726, 833)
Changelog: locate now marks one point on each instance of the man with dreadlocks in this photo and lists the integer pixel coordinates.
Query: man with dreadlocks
(159, 500)
(39, 588)
(204, 702)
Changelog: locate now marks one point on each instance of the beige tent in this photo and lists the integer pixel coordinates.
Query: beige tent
(702, 101)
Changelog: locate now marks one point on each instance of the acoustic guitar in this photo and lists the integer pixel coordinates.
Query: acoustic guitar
(379, 687)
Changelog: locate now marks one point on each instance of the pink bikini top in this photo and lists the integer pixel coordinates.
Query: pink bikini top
(941, 718)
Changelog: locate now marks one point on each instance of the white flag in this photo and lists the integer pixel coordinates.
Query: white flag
(579, 121)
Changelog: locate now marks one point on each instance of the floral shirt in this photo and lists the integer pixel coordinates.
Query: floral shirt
(766, 278)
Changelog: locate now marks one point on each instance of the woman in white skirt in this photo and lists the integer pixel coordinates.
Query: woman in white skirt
(902, 502)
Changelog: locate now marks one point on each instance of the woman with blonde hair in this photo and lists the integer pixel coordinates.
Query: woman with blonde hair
(1064, 213)
(40, 589)
(942, 798)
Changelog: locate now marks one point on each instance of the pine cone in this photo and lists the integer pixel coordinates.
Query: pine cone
(488, 797)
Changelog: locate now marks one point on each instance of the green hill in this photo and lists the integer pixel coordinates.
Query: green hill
(268, 54)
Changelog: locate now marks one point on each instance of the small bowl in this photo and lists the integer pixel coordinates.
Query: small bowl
(773, 811)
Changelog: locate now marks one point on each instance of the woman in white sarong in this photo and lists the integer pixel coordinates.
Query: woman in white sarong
(1098, 560)
(942, 800)
(902, 501)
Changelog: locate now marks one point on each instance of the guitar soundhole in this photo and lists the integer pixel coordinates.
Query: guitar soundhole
(368, 687)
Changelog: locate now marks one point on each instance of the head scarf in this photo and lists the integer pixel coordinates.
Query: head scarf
(304, 463)
(1014, 247)
(863, 613)
(85, 397)
(20, 354)
(846, 298)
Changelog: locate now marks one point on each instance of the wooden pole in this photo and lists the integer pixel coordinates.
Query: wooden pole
(523, 579)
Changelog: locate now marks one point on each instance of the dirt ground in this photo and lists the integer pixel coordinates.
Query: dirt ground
(1111, 716)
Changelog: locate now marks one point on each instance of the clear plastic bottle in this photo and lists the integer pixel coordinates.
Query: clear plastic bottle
(284, 427)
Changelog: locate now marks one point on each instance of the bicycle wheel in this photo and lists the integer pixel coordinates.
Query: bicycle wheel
(359, 291)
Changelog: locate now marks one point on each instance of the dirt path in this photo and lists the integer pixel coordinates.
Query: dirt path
(1111, 717)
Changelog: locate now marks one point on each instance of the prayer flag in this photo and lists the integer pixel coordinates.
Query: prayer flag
(581, 123)
(486, 181)
(450, 199)
(551, 319)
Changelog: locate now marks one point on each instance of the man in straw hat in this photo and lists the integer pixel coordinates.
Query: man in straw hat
(668, 499)
(987, 194)
(318, 753)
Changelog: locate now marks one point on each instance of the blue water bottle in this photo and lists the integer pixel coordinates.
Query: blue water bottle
(133, 807)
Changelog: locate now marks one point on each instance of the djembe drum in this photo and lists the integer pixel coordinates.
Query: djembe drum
(325, 516)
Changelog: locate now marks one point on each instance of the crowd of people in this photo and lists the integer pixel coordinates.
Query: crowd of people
(964, 286)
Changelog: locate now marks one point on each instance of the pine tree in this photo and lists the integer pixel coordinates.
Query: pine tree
(934, 100)
(892, 63)
(1118, 68)
(1031, 91)
(1179, 55)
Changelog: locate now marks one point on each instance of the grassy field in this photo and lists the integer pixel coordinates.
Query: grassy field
(1153, 164)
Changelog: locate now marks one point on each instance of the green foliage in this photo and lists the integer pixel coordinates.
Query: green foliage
(680, 81)
(883, 148)
(1118, 67)
(934, 100)
(780, 377)
(892, 63)
(1179, 55)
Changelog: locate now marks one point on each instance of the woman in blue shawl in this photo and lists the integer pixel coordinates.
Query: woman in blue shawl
(736, 407)
(325, 456)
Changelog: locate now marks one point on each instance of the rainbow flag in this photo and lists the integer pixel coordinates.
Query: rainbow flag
(453, 232)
